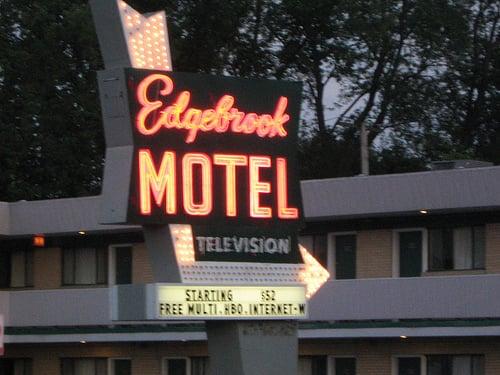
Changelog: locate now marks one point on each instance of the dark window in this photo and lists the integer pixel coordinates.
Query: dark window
(18, 366)
(84, 366)
(345, 366)
(123, 264)
(199, 366)
(313, 365)
(409, 366)
(85, 266)
(21, 263)
(121, 367)
(455, 364)
(4, 269)
(317, 245)
(176, 366)
(16, 268)
(460, 248)
(345, 256)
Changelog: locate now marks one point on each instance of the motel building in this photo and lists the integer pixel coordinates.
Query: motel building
(414, 289)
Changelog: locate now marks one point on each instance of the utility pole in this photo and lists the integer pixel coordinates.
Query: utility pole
(365, 157)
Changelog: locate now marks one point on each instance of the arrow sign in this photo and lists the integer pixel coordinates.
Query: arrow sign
(146, 37)
(311, 273)
(314, 275)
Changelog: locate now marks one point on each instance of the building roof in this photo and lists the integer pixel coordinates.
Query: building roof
(402, 194)
(443, 191)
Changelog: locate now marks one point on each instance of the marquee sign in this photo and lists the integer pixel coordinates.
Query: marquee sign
(229, 302)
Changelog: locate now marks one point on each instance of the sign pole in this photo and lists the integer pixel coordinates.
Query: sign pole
(2, 328)
(252, 347)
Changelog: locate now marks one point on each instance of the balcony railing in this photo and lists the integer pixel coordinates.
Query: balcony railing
(443, 297)
(453, 297)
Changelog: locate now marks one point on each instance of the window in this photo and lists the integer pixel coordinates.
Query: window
(317, 245)
(199, 366)
(16, 268)
(121, 366)
(84, 366)
(176, 366)
(186, 366)
(455, 365)
(121, 261)
(18, 366)
(457, 248)
(85, 266)
(409, 366)
(344, 366)
(314, 365)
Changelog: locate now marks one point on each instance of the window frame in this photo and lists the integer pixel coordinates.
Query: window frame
(442, 228)
(26, 360)
(452, 356)
(164, 367)
(73, 359)
(395, 358)
(29, 277)
(330, 363)
(111, 363)
(96, 249)
(395, 249)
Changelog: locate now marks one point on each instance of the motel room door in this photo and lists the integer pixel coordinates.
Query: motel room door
(345, 256)
(410, 254)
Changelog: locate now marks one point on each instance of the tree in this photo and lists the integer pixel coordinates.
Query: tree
(311, 47)
(422, 76)
(50, 128)
(469, 104)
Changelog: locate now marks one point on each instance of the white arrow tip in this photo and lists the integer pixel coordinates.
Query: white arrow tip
(314, 275)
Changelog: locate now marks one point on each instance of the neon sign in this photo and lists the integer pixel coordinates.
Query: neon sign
(223, 118)
(217, 153)
(160, 183)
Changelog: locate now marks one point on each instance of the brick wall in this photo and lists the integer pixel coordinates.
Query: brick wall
(493, 248)
(376, 357)
(374, 259)
(141, 266)
(374, 254)
(47, 268)
(372, 357)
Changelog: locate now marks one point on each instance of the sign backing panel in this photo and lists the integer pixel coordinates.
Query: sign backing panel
(242, 136)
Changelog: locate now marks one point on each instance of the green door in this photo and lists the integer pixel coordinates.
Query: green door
(410, 254)
(123, 257)
(345, 256)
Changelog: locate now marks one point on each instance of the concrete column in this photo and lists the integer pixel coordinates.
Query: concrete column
(252, 348)
(161, 254)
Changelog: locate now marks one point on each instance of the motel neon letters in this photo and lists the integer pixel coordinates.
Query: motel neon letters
(199, 156)
(158, 184)
(223, 118)
(218, 153)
